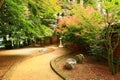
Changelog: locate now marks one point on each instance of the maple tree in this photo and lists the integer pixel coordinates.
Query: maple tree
(111, 17)
(81, 25)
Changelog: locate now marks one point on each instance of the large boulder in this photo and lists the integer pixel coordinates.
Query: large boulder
(70, 63)
(79, 58)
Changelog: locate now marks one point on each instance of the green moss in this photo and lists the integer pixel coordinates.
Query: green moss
(79, 58)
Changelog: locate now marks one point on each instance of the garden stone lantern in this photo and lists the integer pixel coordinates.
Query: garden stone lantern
(60, 45)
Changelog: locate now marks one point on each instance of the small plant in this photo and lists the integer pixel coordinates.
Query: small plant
(79, 58)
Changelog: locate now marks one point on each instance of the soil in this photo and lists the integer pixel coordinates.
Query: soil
(91, 69)
(10, 57)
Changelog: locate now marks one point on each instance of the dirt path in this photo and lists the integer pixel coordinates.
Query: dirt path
(35, 68)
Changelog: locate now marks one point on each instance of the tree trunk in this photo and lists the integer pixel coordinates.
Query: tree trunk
(1, 3)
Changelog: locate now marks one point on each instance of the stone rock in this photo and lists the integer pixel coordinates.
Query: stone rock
(43, 50)
(79, 58)
(70, 63)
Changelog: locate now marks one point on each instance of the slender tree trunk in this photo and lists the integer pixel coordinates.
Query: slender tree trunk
(1, 3)
(110, 49)
(110, 62)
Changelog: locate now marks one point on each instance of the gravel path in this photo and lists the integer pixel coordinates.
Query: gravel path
(35, 68)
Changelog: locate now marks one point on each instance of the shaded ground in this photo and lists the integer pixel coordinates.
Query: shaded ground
(91, 69)
(6, 62)
(10, 57)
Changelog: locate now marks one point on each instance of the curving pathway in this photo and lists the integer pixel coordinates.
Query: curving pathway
(35, 68)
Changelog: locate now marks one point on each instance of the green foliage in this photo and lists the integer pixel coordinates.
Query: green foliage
(70, 36)
(43, 13)
(90, 2)
(64, 0)
(47, 8)
(21, 20)
(79, 58)
(78, 1)
(111, 20)
(47, 31)
(86, 39)
(11, 16)
(88, 28)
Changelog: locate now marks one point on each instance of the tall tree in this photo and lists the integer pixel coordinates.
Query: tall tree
(111, 17)
(22, 19)
(44, 10)
(11, 18)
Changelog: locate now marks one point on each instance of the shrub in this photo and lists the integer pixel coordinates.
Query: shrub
(81, 28)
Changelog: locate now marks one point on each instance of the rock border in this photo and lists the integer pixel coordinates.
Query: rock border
(58, 72)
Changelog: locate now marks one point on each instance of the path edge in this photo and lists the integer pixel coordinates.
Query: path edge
(57, 71)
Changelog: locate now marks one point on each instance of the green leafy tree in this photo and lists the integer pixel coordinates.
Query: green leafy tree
(11, 18)
(90, 2)
(111, 17)
(22, 20)
(85, 27)
(44, 11)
